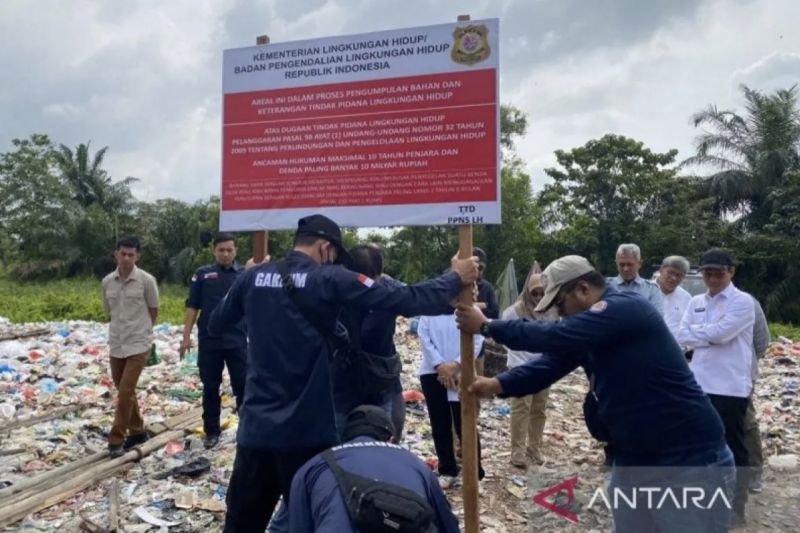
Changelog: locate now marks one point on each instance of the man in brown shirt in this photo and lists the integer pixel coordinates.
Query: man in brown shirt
(130, 297)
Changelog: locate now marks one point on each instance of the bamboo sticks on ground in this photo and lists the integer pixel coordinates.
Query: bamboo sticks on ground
(34, 494)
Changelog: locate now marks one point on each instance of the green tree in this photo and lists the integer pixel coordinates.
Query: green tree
(605, 193)
(89, 182)
(750, 154)
(36, 215)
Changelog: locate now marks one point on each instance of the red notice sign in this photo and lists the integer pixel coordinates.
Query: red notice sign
(381, 129)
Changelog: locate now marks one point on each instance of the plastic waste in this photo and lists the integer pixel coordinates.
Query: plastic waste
(7, 410)
(48, 386)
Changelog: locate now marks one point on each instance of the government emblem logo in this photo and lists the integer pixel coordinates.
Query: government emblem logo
(470, 44)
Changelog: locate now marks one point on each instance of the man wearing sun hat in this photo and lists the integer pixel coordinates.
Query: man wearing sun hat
(647, 400)
(290, 308)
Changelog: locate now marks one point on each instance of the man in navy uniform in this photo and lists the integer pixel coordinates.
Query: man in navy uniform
(288, 413)
(368, 451)
(647, 400)
(209, 285)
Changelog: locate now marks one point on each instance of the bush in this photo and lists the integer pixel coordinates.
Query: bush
(74, 299)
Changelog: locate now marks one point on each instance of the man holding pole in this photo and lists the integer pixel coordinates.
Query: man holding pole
(646, 397)
(290, 308)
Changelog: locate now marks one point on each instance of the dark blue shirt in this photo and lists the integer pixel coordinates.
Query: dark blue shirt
(288, 401)
(209, 286)
(648, 399)
(316, 502)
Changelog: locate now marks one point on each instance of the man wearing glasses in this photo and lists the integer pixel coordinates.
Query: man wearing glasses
(647, 401)
(718, 326)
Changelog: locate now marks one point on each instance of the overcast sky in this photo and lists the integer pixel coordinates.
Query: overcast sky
(144, 77)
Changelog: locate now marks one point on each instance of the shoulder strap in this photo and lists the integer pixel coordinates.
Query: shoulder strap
(291, 291)
(338, 473)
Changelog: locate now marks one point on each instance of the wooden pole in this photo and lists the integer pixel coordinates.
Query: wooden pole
(469, 403)
(261, 238)
(33, 420)
(113, 505)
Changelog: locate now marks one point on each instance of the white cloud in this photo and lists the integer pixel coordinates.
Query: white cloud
(144, 77)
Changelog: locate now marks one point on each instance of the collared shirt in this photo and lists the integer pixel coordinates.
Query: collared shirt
(675, 304)
(649, 289)
(647, 397)
(317, 504)
(520, 357)
(288, 400)
(209, 286)
(130, 330)
(440, 340)
(720, 329)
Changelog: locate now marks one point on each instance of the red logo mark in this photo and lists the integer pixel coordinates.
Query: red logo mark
(569, 485)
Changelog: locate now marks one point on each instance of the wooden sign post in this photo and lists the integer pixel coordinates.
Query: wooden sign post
(261, 238)
(469, 403)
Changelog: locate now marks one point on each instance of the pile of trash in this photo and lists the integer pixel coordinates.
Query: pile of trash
(56, 405)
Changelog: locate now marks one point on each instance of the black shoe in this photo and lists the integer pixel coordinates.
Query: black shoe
(210, 441)
(115, 450)
(135, 440)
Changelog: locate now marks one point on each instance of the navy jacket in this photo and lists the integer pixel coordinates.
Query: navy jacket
(316, 503)
(648, 399)
(487, 295)
(209, 286)
(288, 402)
(376, 335)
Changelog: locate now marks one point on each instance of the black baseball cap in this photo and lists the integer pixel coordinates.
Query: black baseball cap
(716, 258)
(324, 228)
(480, 254)
(368, 421)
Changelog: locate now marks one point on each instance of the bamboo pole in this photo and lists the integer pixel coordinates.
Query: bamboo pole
(33, 420)
(113, 512)
(48, 495)
(184, 420)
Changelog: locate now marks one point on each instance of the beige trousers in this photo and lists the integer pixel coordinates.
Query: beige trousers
(527, 421)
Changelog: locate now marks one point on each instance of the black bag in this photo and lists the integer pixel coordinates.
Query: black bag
(378, 507)
(375, 373)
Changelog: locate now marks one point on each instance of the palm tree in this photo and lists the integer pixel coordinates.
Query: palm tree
(750, 154)
(89, 182)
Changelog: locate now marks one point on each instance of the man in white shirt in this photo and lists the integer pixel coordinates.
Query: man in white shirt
(673, 269)
(718, 325)
(439, 375)
(629, 261)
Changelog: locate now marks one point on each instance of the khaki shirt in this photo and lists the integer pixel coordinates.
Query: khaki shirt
(130, 331)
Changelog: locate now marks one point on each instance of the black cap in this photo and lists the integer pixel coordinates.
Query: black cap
(368, 421)
(480, 254)
(324, 228)
(716, 258)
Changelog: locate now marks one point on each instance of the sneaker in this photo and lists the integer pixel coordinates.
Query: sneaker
(115, 450)
(447, 482)
(210, 441)
(135, 440)
(519, 459)
(756, 486)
